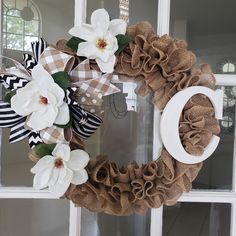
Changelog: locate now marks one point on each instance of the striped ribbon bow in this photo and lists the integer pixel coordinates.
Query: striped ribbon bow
(84, 123)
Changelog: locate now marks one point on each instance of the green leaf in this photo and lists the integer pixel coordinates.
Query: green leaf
(74, 42)
(68, 125)
(62, 79)
(43, 149)
(123, 42)
(9, 95)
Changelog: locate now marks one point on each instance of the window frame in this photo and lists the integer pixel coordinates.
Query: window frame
(23, 34)
(228, 196)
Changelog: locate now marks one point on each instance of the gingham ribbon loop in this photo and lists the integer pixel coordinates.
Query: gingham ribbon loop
(54, 61)
(91, 81)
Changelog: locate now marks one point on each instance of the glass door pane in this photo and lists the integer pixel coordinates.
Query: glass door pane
(217, 172)
(208, 26)
(195, 219)
(34, 217)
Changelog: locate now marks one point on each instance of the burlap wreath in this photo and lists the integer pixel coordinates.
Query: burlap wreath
(164, 66)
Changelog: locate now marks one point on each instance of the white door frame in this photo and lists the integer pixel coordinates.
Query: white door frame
(156, 214)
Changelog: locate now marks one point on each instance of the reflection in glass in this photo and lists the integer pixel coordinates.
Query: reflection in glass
(205, 219)
(19, 30)
(210, 34)
(139, 10)
(34, 217)
(217, 170)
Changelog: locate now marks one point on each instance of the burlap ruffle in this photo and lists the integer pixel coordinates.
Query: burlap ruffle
(165, 66)
(123, 191)
(160, 64)
(197, 125)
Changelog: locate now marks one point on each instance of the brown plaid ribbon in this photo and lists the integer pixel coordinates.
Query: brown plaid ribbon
(91, 81)
(53, 60)
(82, 72)
(52, 135)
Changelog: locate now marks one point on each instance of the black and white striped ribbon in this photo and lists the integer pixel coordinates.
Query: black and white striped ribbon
(34, 139)
(19, 132)
(38, 47)
(12, 82)
(8, 118)
(84, 123)
(28, 61)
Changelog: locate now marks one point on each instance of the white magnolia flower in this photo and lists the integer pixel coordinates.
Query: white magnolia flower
(42, 101)
(101, 43)
(61, 169)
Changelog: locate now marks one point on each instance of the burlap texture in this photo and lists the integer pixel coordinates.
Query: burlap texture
(160, 64)
(123, 191)
(165, 66)
(134, 189)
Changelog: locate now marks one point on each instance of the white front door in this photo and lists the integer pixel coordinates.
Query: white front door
(210, 209)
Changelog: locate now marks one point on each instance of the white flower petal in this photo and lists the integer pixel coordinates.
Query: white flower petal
(41, 76)
(117, 26)
(58, 92)
(20, 102)
(60, 187)
(43, 118)
(62, 151)
(100, 19)
(107, 67)
(87, 49)
(78, 159)
(85, 32)
(41, 179)
(63, 116)
(54, 176)
(42, 163)
(79, 177)
(104, 55)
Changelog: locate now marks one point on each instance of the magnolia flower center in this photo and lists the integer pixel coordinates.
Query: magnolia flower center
(43, 100)
(101, 44)
(58, 163)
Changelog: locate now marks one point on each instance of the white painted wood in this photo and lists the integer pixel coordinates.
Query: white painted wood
(233, 219)
(169, 126)
(163, 17)
(80, 12)
(209, 196)
(75, 220)
(24, 193)
(156, 222)
(225, 79)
